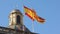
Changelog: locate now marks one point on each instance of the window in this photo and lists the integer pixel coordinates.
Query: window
(18, 19)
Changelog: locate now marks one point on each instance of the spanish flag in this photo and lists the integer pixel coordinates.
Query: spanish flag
(29, 13)
(32, 14)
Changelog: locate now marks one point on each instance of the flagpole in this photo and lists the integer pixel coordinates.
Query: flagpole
(32, 26)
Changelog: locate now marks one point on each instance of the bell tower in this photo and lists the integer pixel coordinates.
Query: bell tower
(15, 19)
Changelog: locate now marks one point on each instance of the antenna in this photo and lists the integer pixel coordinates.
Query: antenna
(16, 5)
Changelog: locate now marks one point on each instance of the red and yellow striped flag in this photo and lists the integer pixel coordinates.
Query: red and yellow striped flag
(32, 14)
(29, 12)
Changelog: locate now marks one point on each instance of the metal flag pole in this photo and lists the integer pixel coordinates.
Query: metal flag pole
(32, 26)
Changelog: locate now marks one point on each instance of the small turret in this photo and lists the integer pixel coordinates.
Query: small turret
(16, 19)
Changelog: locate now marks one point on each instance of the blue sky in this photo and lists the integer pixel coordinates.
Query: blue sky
(48, 9)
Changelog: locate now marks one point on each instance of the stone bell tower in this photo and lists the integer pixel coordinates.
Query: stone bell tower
(15, 19)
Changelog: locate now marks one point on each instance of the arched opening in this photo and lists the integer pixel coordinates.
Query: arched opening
(18, 19)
